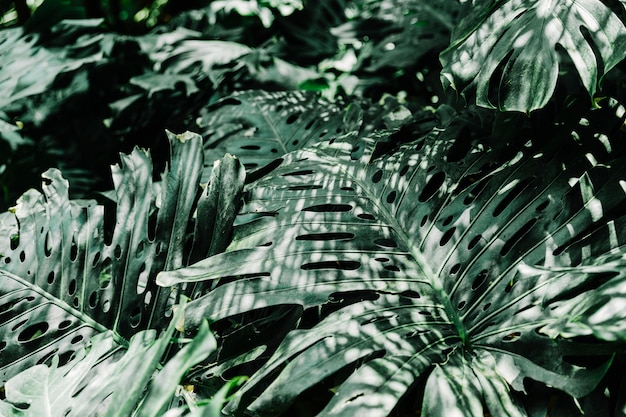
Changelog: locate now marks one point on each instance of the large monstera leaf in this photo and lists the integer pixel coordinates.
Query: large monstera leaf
(509, 53)
(431, 263)
(70, 271)
(260, 126)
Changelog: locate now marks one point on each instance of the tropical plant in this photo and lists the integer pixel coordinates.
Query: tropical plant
(375, 247)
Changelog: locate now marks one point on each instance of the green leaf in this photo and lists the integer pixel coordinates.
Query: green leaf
(413, 260)
(107, 382)
(66, 277)
(509, 53)
(258, 126)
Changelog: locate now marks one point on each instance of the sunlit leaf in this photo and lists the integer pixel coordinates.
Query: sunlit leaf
(509, 55)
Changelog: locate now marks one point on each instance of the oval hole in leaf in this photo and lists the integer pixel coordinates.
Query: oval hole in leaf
(386, 243)
(22, 256)
(14, 241)
(480, 279)
(64, 324)
(47, 247)
(71, 289)
(305, 187)
(511, 337)
(378, 175)
(93, 300)
(455, 268)
(51, 278)
(73, 250)
(323, 208)
(298, 173)
(517, 237)
(326, 236)
(432, 186)
(542, 206)
(366, 216)
(342, 265)
(447, 236)
(33, 332)
(514, 193)
(391, 197)
(471, 196)
(135, 317)
(474, 242)
(410, 294)
(292, 118)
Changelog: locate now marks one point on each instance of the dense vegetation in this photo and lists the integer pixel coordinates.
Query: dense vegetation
(372, 208)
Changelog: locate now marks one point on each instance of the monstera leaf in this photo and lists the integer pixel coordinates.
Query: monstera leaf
(71, 270)
(260, 126)
(106, 380)
(428, 266)
(509, 54)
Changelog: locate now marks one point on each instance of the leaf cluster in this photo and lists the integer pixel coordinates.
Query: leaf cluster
(374, 246)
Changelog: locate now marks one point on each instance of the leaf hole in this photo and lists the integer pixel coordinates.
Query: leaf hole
(73, 250)
(22, 256)
(298, 173)
(386, 243)
(366, 216)
(447, 236)
(461, 305)
(432, 186)
(455, 269)
(93, 300)
(51, 278)
(392, 268)
(404, 170)
(77, 339)
(410, 294)
(33, 332)
(472, 244)
(378, 175)
(391, 197)
(339, 265)
(512, 337)
(542, 206)
(480, 279)
(329, 208)
(326, 236)
(293, 118)
(447, 221)
(305, 187)
(135, 317)
(517, 190)
(71, 289)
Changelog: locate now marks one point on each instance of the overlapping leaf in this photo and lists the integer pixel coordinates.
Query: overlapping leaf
(259, 126)
(414, 260)
(509, 54)
(68, 273)
(105, 380)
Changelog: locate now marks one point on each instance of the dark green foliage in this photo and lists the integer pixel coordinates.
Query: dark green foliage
(375, 246)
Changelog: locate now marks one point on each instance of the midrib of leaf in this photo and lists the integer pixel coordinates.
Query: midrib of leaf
(71, 310)
(272, 125)
(410, 242)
